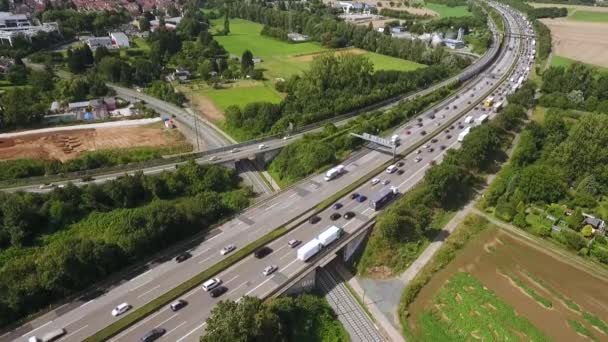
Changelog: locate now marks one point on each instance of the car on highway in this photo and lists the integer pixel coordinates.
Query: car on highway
(454, 106)
(452, 127)
(361, 198)
(348, 215)
(434, 140)
(234, 150)
(335, 216)
(442, 147)
(211, 284)
(354, 195)
(391, 168)
(418, 159)
(218, 291)
(262, 252)
(385, 181)
(375, 181)
(408, 132)
(338, 205)
(419, 119)
(420, 124)
(121, 309)
(153, 335)
(214, 158)
(422, 132)
(261, 146)
(400, 172)
(183, 257)
(449, 136)
(431, 150)
(227, 249)
(293, 243)
(419, 151)
(87, 179)
(314, 219)
(268, 270)
(400, 164)
(47, 186)
(178, 304)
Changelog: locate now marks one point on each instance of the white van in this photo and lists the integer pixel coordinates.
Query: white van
(211, 284)
(48, 337)
(261, 146)
(391, 169)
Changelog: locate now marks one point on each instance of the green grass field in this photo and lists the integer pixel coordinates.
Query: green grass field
(565, 62)
(281, 59)
(240, 96)
(595, 17)
(465, 310)
(446, 11)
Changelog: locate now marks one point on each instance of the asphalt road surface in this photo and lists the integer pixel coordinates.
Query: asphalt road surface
(83, 318)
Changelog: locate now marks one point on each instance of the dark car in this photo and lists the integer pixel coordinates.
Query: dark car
(419, 119)
(431, 149)
(452, 127)
(262, 252)
(218, 291)
(422, 132)
(361, 198)
(349, 215)
(420, 124)
(449, 136)
(153, 335)
(400, 172)
(183, 257)
(354, 195)
(442, 147)
(434, 140)
(461, 126)
(337, 206)
(400, 164)
(314, 219)
(454, 106)
(178, 304)
(335, 216)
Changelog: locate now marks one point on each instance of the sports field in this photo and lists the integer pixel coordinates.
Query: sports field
(282, 59)
(242, 95)
(446, 11)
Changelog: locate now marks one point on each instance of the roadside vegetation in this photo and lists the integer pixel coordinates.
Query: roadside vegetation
(300, 318)
(405, 224)
(55, 244)
(556, 173)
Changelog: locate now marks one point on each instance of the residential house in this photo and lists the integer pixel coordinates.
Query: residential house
(119, 39)
(594, 222)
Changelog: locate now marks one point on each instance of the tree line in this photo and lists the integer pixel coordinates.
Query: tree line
(301, 318)
(577, 86)
(548, 12)
(55, 244)
(404, 225)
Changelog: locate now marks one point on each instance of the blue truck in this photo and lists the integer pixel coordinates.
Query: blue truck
(383, 196)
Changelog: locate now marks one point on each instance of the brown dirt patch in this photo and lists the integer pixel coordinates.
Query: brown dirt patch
(203, 105)
(311, 56)
(582, 41)
(380, 272)
(65, 145)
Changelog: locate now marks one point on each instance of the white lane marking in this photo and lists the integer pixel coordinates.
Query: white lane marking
(366, 210)
(238, 287)
(280, 248)
(231, 279)
(347, 223)
(201, 252)
(150, 290)
(72, 321)
(87, 303)
(293, 195)
(222, 232)
(40, 327)
(291, 263)
(191, 331)
(262, 283)
(74, 332)
(285, 256)
(6, 333)
(165, 321)
(207, 258)
(192, 292)
(141, 275)
(172, 330)
(117, 338)
(271, 206)
(412, 176)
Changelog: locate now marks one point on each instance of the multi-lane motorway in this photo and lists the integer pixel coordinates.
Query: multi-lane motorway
(81, 319)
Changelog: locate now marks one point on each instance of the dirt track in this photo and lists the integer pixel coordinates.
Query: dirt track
(65, 145)
(585, 42)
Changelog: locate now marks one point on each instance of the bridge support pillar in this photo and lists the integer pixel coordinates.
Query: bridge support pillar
(306, 284)
(354, 247)
(264, 158)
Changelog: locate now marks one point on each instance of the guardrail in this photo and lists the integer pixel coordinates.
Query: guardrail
(467, 74)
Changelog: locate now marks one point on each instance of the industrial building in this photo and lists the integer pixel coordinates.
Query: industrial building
(21, 25)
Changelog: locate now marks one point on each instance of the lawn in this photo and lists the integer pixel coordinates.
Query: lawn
(596, 17)
(465, 310)
(282, 59)
(565, 62)
(242, 95)
(446, 11)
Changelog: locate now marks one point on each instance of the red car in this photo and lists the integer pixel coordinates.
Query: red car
(408, 132)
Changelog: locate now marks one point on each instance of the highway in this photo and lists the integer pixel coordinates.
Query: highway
(81, 319)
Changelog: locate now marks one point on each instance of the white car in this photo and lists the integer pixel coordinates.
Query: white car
(47, 186)
(211, 284)
(234, 150)
(121, 309)
(227, 249)
(375, 181)
(261, 146)
(268, 270)
(293, 243)
(214, 158)
(418, 159)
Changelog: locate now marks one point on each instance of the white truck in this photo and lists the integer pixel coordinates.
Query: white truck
(468, 119)
(334, 172)
(395, 139)
(311, 248)
(463, 134)
(483, 118)
(497, 107)
(330, 235)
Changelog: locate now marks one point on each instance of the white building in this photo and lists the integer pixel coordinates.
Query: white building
(15, 25)
(120, 39)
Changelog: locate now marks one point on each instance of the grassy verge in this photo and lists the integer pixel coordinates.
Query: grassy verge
(530, 291)
(183, 288)
(580, 328)
(471, 226)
